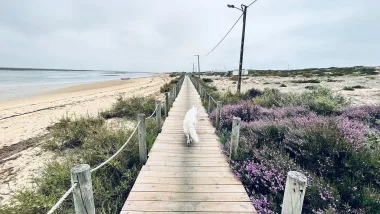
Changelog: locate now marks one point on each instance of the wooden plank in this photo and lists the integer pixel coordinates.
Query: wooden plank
(173, 147)
(188, 174)
(185, 169)
(184, 163)
(168, 196)
(155, 180)
(138, 212)
(186, 151)
(161, 206)
(184, 159)
(186, 155)
(188, 188)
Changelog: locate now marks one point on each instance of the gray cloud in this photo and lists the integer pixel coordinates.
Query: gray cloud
(164, 35)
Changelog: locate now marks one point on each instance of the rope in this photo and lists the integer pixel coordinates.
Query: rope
(55, 207)
(152, 113)
(114, 155)
(213, 100)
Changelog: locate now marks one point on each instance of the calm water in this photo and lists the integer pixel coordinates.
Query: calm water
(16, 84)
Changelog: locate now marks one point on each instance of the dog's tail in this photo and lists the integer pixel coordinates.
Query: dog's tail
(193, 134)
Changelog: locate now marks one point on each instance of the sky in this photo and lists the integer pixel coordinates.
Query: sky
(164, 36)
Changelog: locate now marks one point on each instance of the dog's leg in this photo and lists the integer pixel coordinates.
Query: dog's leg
(188, 139)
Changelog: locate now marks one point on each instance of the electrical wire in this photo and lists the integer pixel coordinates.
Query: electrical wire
(251, 3)
(224, 36)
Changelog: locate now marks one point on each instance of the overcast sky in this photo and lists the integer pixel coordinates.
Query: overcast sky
(163, 36)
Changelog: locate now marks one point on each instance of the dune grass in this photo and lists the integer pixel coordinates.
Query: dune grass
(87, 140)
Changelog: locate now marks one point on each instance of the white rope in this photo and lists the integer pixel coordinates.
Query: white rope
(152, 113)
(55, 207)
(114, 155)
(213, 100)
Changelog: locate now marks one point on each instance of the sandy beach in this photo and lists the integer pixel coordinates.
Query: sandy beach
(369, 95)
(24, 122)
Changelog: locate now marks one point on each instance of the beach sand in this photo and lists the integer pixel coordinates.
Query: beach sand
(24, 122)
(369, 95)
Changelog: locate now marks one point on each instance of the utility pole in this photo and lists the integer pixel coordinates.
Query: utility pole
(244, 10)
(199, 67)
(193, 67)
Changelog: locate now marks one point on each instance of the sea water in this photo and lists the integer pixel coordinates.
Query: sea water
(23, 83)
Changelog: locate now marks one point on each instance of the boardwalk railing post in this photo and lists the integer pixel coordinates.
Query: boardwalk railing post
(142, 139)
(158, 115)
(82, 193)
(166, 104)
(174, 93)
(235, 137)
(218, 110)
(209, 104)
(294, 193)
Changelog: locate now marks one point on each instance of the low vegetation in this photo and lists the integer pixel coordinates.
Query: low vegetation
(87, 140)
(207, 80)
(130, 107)
(352, 88)
(169, 86)
(310, 72)
(315, 132)
(306, 81)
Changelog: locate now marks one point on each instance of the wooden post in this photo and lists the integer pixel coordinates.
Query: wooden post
(294, 194)
(209, 103)
(235, 137)
(142, 139)
(166, 104)
(158, 115)
(174, 93)
(218, 110)
(82, 193)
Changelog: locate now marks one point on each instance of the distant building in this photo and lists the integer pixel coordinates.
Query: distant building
(236, 72)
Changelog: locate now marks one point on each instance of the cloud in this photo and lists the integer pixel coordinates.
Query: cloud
(163, 36)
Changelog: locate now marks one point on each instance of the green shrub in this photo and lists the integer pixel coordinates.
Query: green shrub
(321, 100)
(167, 87)
(207, 80)
(130, 107)
(70, 133)
(111, 183)
(348, 88)
(311, 87)
(306, 81)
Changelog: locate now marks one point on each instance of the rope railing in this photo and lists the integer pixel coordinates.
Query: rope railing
(174, 94)
(60, 201)
(121, 148)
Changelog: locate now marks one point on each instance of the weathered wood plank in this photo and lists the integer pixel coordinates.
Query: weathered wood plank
(188, 188)
(199, 181)
(168, 196)
(161, 206)
(185, 169)
(189, 174)
(190, 163)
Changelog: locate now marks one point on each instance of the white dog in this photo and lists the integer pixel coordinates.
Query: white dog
(190, 125)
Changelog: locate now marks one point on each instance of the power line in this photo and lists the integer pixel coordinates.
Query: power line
(252, 3)
(225, 35)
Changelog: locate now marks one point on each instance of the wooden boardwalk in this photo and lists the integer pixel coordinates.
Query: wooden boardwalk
(182, 179)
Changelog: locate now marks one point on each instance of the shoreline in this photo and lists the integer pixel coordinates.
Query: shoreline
(16, 92)
(26, 119)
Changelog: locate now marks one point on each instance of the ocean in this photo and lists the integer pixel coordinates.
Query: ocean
(23, 83)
